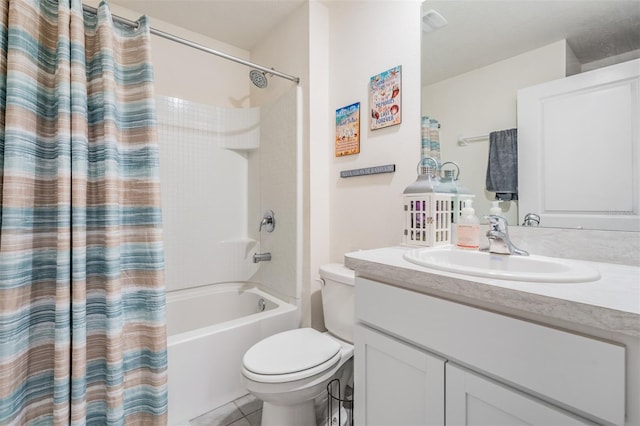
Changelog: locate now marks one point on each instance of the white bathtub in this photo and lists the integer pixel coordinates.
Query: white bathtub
(209, 330)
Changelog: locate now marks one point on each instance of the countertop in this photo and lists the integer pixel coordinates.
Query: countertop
(609, 305)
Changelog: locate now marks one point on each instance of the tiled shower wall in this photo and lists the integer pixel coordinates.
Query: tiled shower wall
(216, 184)
(204, 155)
(279, 174)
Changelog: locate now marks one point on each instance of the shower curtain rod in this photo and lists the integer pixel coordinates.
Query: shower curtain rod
(197, 46)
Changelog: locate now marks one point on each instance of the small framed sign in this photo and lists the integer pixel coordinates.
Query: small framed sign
(348, 130)
(385, 96)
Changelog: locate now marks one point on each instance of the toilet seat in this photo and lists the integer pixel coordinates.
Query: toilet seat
(291, 355)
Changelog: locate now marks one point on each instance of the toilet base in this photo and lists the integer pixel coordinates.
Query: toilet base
(302, 414)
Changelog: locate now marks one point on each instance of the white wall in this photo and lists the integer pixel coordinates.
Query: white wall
(611, 60)
(317, 161)
(366, 39)
(285, 49)
(311, 44)
(484, 100)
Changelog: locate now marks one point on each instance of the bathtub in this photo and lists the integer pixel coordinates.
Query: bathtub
(209, 329)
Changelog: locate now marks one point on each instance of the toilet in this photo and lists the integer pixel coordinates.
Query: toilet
(289, 369)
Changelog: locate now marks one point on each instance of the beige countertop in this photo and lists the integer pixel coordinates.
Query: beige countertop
(608, 306)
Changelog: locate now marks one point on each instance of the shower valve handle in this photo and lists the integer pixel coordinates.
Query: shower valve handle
(268, 221)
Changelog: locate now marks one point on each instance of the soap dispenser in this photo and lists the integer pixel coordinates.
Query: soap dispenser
(468, 228)
(495, 208)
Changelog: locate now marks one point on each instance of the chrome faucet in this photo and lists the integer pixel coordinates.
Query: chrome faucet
(261, 257)
(498, 235)
(268, 221)
(531, 219)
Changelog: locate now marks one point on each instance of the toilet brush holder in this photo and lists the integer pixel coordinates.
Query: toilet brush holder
(339, 407)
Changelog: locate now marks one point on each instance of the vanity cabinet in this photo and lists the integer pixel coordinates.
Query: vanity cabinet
(497, 369)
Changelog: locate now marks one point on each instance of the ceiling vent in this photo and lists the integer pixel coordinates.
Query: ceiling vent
(432, 20)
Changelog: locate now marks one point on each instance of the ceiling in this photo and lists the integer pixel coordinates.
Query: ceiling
(241, 23)
(479, 32)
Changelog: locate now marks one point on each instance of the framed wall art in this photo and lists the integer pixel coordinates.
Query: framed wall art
(348, 130)
(385, 98)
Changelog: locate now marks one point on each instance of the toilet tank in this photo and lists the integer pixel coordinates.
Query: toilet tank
(338, 302)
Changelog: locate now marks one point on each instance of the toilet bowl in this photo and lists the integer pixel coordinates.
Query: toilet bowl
(289, 369)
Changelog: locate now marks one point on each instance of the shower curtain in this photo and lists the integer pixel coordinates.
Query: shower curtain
(82, 307)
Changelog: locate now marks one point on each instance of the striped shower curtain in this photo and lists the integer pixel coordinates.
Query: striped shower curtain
(82, 306)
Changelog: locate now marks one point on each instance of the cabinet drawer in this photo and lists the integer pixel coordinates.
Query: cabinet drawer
(580, 373)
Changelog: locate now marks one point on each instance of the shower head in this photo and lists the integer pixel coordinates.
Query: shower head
(258, 78)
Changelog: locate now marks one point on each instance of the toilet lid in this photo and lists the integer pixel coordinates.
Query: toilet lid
(290, 352)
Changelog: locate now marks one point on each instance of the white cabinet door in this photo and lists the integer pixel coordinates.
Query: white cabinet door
(475, 400)
(396, 384)
(579, 149)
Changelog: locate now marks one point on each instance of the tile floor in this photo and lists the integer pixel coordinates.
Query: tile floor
(244, 411)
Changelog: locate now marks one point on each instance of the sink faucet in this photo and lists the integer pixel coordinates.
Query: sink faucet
(498, 235)
(531, 219)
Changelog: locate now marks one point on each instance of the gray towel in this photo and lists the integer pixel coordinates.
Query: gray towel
(502, 170)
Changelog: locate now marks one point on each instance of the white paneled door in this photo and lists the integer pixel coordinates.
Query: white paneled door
(579, 149)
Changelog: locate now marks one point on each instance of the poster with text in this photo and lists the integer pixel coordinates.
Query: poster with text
(385, 98)
(348, 130)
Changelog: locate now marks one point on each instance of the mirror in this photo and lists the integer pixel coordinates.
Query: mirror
(473, 67)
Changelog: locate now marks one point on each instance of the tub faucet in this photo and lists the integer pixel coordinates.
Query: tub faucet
(261, 257)
(498, 235)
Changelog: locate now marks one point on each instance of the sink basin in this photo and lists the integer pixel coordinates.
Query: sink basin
(503, 267)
